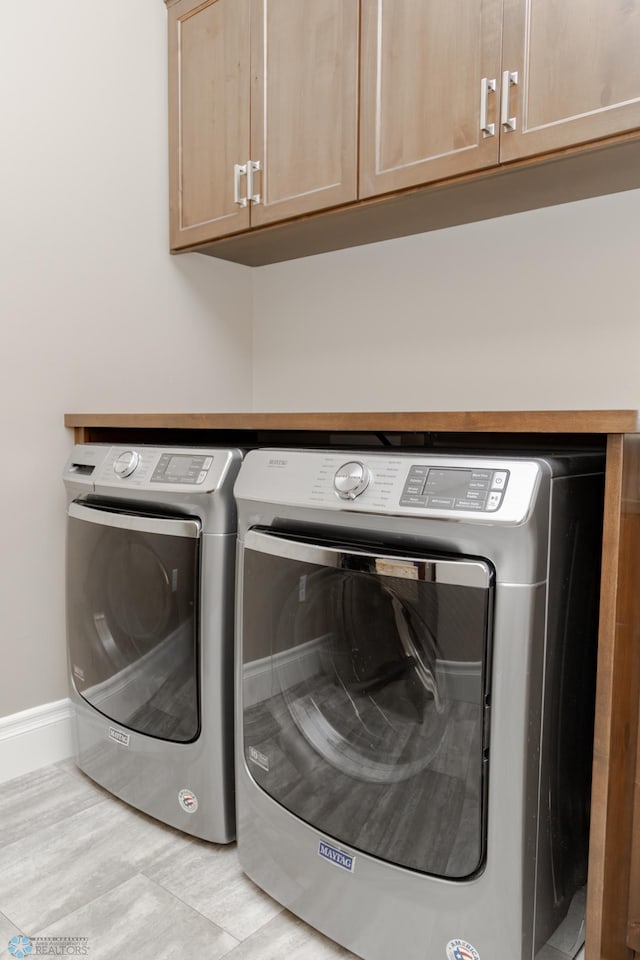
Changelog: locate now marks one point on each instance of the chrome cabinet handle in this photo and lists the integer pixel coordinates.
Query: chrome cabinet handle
(253, 166)
(509, 79)
(239, 170)
(486, 87)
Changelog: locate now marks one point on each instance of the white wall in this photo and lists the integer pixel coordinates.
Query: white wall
(534, 311)
(95, 315)
(537, 310)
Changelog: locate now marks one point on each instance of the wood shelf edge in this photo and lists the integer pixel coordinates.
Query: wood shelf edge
(512, 421)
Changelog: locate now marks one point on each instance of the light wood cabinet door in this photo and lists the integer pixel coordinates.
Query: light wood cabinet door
(209, 128)
(578, 73)
(304, 105)
(421, 91)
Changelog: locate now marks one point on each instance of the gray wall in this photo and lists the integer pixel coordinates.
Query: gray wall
(534, 311)
(95, 313)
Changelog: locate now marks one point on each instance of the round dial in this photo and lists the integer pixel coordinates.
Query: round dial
(126, 463)
(351, 479)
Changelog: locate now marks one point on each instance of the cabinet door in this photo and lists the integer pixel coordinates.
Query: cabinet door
(304, 125)
(209, 89)
(578, 73)
(422, 93)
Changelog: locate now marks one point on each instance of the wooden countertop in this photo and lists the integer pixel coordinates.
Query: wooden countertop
(499, 421)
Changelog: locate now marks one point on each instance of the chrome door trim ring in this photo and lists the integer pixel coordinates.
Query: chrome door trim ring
(464, 572)
(165, 526)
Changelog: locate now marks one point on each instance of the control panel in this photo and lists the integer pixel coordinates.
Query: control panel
(454, 488)
(451, 486)
(150, 467)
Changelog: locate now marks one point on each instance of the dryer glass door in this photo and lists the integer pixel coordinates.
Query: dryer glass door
(365, 696)
(132, 618)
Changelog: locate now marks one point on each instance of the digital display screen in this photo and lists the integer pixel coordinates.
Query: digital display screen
(179, 466)
(448, 483)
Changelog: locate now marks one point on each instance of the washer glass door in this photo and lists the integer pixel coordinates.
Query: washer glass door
(365, 695)
(132, 618)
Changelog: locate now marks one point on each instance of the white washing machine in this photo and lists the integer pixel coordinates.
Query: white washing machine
(151, 536)
(416, 639)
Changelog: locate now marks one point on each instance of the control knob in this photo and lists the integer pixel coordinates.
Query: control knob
(351, 479)
(126, 463)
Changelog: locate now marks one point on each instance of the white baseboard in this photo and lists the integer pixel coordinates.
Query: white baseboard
(35, 738)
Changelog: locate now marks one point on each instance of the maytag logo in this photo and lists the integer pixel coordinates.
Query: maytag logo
(119, 736)
(277, 463)
(336, 856)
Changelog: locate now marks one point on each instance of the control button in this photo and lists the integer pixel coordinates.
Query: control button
(413, 492)
(202, 476)
(493, 501)
(351, 479)
(476, 495)
(126, 463)
(499, 480)
(207, 463)
(463, 504)
(441, 503)
(413, 489)
(411, 500)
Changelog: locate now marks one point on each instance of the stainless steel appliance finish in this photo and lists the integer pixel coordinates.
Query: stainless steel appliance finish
(150, 578)
(415, 663)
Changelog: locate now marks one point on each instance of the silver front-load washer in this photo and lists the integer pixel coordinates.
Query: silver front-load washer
(151, 538)
(415, 654)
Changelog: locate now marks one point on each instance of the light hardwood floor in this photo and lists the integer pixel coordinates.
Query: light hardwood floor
(76, 862)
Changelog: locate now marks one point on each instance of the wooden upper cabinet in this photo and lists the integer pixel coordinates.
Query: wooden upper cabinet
(449, 88)
(209, 130)
(578, 73)
(422, 95)
(304, 105)
(263, 112)
(282, 108)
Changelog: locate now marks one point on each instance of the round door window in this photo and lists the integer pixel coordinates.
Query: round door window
(363, 688)
(138, 591)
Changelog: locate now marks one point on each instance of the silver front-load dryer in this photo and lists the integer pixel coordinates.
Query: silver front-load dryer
(416, 638)
(151, 538)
